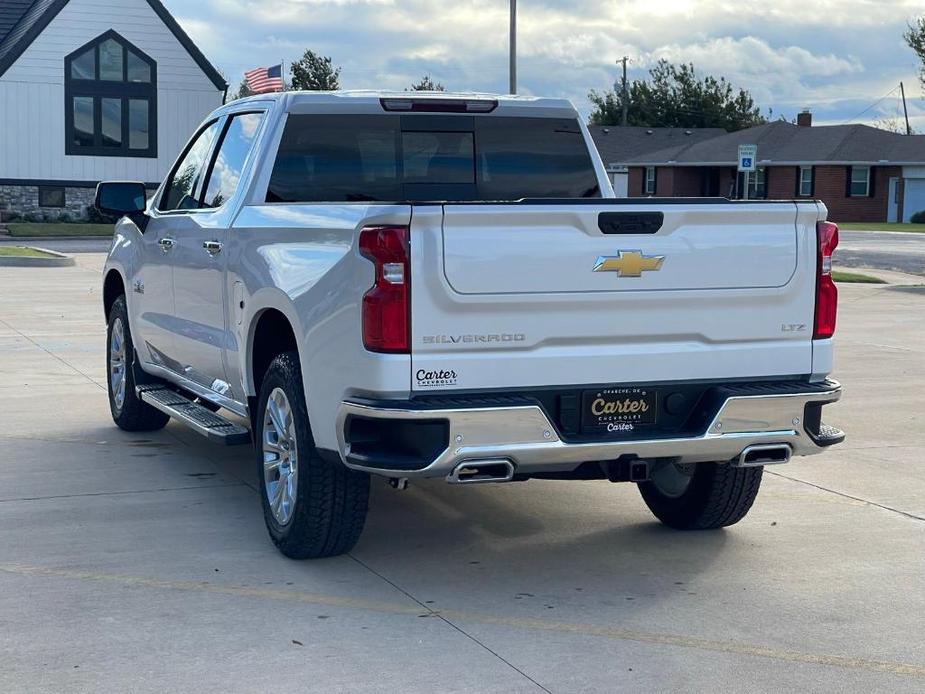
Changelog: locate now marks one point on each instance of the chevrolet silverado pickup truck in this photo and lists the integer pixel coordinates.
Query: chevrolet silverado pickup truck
(444, 286)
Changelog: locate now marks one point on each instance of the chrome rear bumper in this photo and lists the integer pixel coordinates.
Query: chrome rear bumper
(525, 436)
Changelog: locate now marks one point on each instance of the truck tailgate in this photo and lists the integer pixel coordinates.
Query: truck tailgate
(609, 292)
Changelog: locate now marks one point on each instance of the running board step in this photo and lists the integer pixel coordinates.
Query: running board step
(195, 416)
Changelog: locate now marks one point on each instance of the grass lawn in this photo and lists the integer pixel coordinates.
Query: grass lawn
(22, 252)
(855, 277)
(880, 226)
(51, 229)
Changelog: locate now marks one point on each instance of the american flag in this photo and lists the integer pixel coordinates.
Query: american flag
(261, 80)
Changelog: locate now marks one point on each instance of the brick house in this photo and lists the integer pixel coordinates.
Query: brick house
(618, 146)
(861, 173)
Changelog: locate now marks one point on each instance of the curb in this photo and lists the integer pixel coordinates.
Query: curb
(890, 277)
(58, 260)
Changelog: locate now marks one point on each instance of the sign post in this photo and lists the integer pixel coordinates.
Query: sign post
(748, 162)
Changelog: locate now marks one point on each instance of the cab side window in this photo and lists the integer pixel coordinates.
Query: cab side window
(226, 170)
(184, 182)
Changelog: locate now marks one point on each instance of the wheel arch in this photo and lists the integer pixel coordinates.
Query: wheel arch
(113, 288)
(272, 332)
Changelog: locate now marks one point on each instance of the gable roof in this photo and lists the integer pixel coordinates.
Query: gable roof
(18, 22)
(620, 145)
(784, 143)
(11, 11)
(21, 21)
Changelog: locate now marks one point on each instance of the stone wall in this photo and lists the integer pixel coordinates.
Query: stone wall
(22, 203)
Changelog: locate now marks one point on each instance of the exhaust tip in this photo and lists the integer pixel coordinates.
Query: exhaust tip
(482, 472)
(765, 454)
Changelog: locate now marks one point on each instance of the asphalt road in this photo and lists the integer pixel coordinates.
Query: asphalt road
(898, 251)
(884, 250)
(139, 562)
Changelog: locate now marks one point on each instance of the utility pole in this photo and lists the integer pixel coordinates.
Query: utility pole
(626, 96)
(902, 89)
(513, 58)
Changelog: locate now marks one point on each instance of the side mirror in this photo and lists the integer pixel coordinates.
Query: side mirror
(119, 198)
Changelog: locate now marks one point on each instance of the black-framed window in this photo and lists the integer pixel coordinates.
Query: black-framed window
(859, 182)
(51, 196)
(806, 181)
(110, 95)
(651, 182)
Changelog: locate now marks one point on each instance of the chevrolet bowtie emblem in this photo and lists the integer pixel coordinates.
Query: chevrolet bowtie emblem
(629, 263)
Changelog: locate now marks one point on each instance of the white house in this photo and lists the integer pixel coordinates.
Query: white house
(93, 90)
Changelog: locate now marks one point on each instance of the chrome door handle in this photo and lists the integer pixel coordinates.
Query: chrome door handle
(212, 247)
(166, 243)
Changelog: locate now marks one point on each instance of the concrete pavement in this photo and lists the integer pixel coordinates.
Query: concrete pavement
(140, 562)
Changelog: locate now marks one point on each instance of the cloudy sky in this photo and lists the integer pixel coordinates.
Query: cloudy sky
(837, 57)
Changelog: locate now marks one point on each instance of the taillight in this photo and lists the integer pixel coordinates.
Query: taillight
(386, 306)
(826, 293)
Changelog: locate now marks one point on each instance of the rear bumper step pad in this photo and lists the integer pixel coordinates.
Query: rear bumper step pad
(195, 416)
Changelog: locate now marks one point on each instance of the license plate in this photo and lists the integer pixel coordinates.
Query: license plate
(618, 410)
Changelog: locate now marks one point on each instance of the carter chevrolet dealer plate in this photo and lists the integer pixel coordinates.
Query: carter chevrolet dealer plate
(616, 410)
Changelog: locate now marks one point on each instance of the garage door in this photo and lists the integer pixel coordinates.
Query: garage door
(914, 197)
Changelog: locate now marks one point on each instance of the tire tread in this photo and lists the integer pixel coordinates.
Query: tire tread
(332, 500)
(719, 495)
(135, 415)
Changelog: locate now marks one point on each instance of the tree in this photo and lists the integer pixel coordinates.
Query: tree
(427, 84)
(313, 72)
(892, 125)
(243, 90)
(673, 96)
(915, 38)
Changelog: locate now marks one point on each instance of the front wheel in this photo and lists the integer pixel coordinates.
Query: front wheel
(700, 496)
(313, 506)
(129, 412)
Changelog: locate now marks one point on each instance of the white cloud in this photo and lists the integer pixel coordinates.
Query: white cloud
(835, 56)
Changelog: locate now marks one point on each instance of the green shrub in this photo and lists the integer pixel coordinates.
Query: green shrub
(918, 218)
(94, 216)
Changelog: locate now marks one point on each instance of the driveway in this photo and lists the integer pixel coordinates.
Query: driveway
(139, 562)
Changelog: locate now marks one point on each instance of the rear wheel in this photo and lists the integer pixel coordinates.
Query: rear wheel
(128, 410)
(313, 507)
(700, 496)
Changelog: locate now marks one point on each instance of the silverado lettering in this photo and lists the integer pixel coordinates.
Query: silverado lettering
(455, 339)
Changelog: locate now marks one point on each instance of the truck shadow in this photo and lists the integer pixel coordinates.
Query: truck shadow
(552, 541)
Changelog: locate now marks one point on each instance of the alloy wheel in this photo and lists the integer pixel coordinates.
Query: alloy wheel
(280, 456)
(117, 363)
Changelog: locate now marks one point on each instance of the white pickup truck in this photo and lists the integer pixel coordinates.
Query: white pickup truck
(443, 286)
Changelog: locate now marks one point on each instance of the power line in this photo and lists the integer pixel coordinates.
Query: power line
(873, 105)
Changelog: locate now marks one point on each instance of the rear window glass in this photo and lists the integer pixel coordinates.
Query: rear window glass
(419, 157)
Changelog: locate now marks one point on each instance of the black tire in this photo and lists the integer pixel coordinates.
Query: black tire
(330, 501)
(132, 414)
(718, 495)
